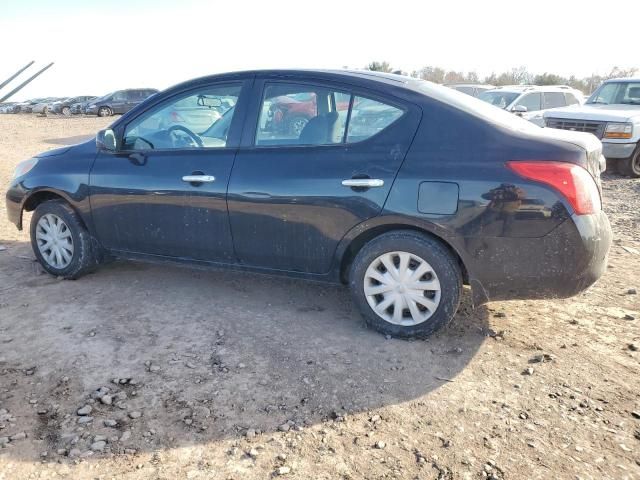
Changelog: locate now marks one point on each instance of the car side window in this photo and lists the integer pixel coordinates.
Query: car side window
(198, 119)
(119, 96)
(554, 100)
(292, 114)
(571, 99)
(369, 117)
(531, 101)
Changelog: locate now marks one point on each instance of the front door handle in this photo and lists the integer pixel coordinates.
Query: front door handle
(199, 178)
(363, 182)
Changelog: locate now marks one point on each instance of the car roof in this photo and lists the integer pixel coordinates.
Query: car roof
(351, 76)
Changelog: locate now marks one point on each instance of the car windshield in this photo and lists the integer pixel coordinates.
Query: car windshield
(499, 98)
(618, 93)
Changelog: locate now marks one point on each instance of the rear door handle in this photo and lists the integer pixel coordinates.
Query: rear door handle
(363, 182)
(199, 178)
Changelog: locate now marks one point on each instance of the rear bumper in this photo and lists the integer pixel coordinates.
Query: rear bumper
(618, 150)
(559, 265)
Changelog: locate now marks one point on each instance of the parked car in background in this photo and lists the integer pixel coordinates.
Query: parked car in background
(612, 113)
(118, 102)
(7, 107)
(27, 106)
(43, 105)
(433, 190)
(530, 101)
(291, 113)
(197, 112)
(80, 107)
(470, 88)
(63, 106)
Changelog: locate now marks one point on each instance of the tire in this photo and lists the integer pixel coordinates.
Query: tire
(83, 254)
(66, 111)
(105, 112)
(295, 125)
(630, 166)
(425, 254)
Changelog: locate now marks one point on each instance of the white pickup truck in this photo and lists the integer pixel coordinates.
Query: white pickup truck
(612, 113)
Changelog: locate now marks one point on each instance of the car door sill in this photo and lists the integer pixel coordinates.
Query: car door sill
(220, 266)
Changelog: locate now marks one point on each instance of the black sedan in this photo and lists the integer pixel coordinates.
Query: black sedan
(402, 189)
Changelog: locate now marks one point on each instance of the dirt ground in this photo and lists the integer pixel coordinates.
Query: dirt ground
(194, 374)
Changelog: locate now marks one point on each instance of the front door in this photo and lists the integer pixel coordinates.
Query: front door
(164, 192)
(295, 192)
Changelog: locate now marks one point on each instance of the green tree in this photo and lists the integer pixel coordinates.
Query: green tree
(379, 67)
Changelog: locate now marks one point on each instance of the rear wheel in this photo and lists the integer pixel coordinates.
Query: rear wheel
(406, 284)
(630, 166)
(60, 241)
(104, 112)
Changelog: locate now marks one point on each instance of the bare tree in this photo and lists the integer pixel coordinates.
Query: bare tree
(432, 74)
(515, 76)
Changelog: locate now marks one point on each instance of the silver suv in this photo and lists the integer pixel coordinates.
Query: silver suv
(530, 101)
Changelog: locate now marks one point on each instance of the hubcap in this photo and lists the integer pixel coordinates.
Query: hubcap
(54, 240)
(402, 288)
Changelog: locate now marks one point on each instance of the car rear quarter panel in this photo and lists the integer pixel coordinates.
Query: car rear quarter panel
(500, 216)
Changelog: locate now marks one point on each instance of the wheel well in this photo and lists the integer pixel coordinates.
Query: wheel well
(39, 197)
(365, 237)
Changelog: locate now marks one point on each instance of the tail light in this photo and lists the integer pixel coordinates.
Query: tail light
(572, 181)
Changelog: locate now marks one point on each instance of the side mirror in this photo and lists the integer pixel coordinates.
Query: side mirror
(519, 109)
(106, 140)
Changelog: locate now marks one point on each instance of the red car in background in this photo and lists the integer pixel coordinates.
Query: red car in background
(290, 113)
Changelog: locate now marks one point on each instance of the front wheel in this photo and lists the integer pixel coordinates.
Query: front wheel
(630, 166)
(60, 241)
(104, 112)
(406, 284)
(66, 111)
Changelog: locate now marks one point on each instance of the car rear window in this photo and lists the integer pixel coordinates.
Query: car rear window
(304, 114)
(369, 117)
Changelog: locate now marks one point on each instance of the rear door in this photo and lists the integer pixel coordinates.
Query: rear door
(293, 195)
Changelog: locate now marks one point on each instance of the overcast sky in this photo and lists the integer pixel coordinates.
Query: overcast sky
(100, 46)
